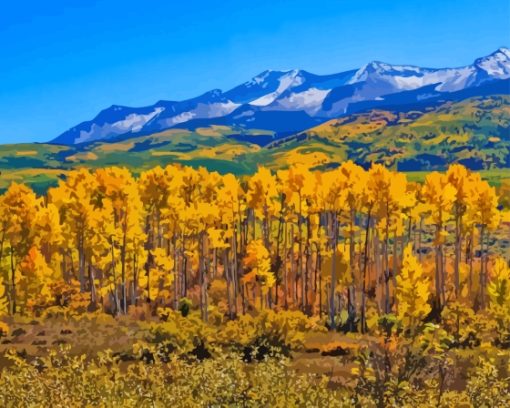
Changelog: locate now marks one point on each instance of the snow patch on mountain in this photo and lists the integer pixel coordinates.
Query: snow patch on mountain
(291, 79)
(407, 77)
(310, 100)
(202, 110)
(132, 123)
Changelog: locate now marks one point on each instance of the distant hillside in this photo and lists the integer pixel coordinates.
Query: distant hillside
(474, 132)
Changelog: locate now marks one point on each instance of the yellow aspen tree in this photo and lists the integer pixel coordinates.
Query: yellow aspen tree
(499, 286)
(368, 200)
(47, 235)
(159, 282)
(498, 291)
(4, 301)
(186, 186)
(299, 189)
(390, 196)
(356, 179)
(232, 206)
(19, 205)
(262, 198)
(413, 292)
(118, 186)
(319, 240)
(77, 201)
(153, 187)
(257, 260)
(459, 177)
(199, 217)
(440, 194)
(339, 259)
(485, 214)
(171, 216)
(332, 195)
(35, 280)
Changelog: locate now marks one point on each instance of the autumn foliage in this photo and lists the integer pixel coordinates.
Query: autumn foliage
(347, 239)
(204, 261)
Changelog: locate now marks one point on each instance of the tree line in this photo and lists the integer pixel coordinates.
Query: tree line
(346, 243)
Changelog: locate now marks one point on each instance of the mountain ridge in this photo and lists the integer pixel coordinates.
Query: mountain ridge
(291, 101)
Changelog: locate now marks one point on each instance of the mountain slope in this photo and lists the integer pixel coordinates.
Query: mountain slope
(285, 102)
(474, 132)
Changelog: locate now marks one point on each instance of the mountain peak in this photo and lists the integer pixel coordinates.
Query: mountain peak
(269, 75)
(377, 69)
(504, 50)
(495, 64)
(377, 65)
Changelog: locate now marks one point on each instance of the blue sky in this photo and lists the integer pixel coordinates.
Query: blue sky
(62, 61)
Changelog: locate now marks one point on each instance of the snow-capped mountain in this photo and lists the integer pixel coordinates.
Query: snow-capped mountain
(290, 101)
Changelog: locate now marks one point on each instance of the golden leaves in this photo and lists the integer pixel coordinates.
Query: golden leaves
(413, 291)
(262, 194)
(257, 259)
(499, 287)
(161, 274)
(109, 220)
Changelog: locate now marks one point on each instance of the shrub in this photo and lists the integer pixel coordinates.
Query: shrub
(60, 380)
(268, 332)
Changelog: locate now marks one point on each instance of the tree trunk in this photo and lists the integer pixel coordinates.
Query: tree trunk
(439, 263)
(134, 294)
(203, 279)
(320, 284)
(114, 290)
(334, 241)
(300, 256)
(378, 268)
(176, 275)
(308, 258)
(470, 251)
(351, 290)
(292, 266)
(13, 284)
(387, 306)
(184, 265)
(148, 264)
(81, 263)
(235, 269)
(458, 237)
(482, 267)
(93, 296)
(285, 271)
(227, 277)
(365, 264)
(419, 239)
(278, 257)
(123, 266)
